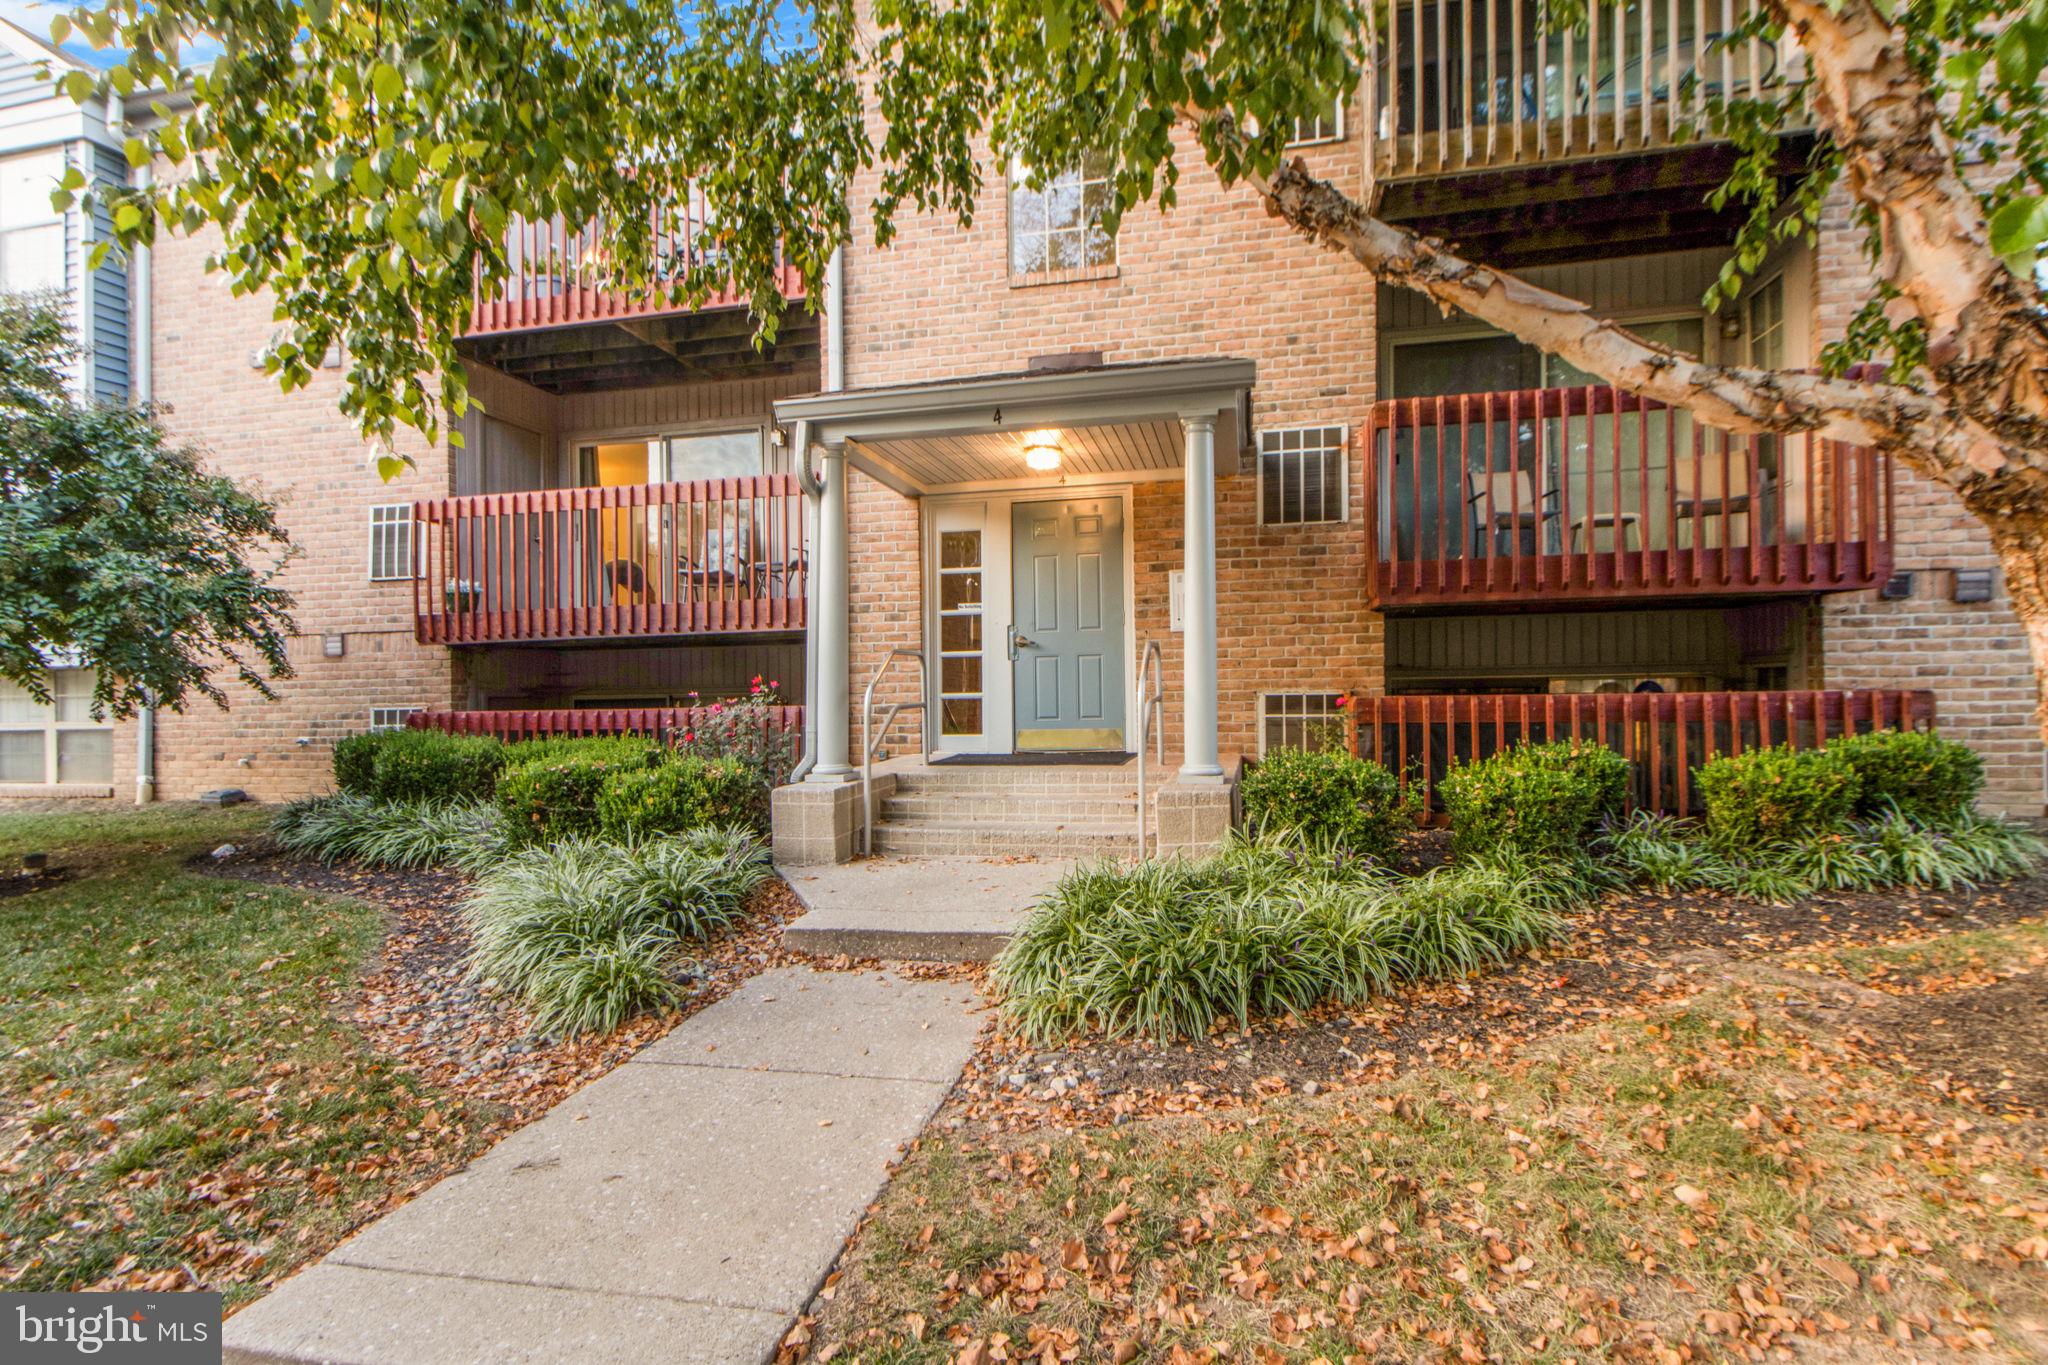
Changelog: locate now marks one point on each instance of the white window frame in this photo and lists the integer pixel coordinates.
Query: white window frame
(50, 728)
(1303, 718)
(392, 716)
(1343, 451)
(1752, 338)
(1020, 180)
(381, 522)
(1336, 117)
(42, 220)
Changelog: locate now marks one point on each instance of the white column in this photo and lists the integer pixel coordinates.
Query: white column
(832, 625)
(1198, 638)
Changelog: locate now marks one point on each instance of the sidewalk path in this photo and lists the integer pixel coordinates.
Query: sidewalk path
(684, 1207)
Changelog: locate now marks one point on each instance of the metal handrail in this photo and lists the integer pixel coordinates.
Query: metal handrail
(871, 739)
(1149, 706)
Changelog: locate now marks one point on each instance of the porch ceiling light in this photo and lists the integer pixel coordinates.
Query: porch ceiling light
(1042, 451)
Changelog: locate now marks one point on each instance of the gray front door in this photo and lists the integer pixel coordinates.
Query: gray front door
(1067, 645)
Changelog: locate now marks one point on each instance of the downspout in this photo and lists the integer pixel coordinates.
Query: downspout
(814, 489)
(144, 384)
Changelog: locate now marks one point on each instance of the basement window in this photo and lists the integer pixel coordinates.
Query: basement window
(60, 742)
(391, 717)
(1300, 720)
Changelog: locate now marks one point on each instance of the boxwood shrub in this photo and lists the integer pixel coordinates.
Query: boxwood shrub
(1543, 800)
(549, 799)
(1776, 795)
(685, 793)
(1329, 797)
(418, 765)
(620, 749)
(1914, 772)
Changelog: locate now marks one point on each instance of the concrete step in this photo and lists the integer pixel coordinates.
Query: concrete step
(923, 910)
(997, 838)
(1121, 780)
(1006, 806)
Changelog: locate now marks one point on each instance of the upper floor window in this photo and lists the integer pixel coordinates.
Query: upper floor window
(31, 232)
(1058, 228)
(1766, 307)
(712, 455)
(1325, 125)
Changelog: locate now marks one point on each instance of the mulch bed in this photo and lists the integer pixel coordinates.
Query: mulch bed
(416, 1005)
(1633, 947)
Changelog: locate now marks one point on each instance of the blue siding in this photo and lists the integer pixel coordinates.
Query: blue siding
(109, 292)
(19, 83)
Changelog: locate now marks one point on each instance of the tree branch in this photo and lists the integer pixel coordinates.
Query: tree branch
(1921, 430)
(1986, 338)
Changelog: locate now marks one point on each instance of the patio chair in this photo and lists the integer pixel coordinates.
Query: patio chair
(1504, 503)
(1706, 492)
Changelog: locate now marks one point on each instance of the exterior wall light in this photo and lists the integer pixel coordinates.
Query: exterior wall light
(1042, 451)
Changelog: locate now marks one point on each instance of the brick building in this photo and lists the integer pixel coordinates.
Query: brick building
(1394, 507)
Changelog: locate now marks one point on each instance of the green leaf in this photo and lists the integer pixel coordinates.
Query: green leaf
(78, 85)
(388, 82)
(137, 152)
(391, 466)
(127, 218)
(2017, 231)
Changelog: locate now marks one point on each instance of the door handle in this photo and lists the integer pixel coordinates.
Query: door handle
(1016, 640)
(1026, 642)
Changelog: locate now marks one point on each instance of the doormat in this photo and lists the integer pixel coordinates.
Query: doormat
(1048, 759)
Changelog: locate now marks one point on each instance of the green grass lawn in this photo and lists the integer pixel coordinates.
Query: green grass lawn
(180, 1100)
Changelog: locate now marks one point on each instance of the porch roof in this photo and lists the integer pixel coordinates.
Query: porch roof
(1110, 421)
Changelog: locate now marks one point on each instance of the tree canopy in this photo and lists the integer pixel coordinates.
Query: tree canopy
(362, 159)
(118, 552)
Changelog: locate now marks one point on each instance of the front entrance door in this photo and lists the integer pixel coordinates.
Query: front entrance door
(1067, 623)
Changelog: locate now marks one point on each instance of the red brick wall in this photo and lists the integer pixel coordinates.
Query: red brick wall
(1975, 657)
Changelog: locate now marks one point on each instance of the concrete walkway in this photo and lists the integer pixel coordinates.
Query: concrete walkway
(916, 909)
(684, 1207)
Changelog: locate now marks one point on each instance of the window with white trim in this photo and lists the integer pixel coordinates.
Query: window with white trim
(1301, 475)
(391, 717)
(1326, 125)
(1300, 720)
(60, 741)
(1058, 227)
(391, 541)
(31, 232)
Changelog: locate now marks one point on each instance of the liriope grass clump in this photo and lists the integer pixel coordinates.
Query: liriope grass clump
(406, 834)
(1959, 850)
(590, 933)
(1267, 925)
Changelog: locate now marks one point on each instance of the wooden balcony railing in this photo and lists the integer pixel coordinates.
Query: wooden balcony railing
(645, 560)
(556, 279)
(1473, 84)
(1664, 735)
(659, 722)
(1596, 493)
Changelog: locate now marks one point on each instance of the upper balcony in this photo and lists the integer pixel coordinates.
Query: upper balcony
(557, 326)
(1591, 496)
(1526, 146)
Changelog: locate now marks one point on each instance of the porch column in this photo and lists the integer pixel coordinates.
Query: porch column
(1199, 760)
(834, 763)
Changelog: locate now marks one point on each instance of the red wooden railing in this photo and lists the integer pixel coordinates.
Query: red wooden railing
(720, 555)
(1594, 492)
(657, 721)
(557, 276)
(1665, 735)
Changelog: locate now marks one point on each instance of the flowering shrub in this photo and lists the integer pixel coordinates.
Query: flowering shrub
(1539, 799)
(745, 730)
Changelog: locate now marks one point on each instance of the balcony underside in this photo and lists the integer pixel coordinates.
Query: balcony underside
(1605, 578)
(1521, 216)
(647, 349)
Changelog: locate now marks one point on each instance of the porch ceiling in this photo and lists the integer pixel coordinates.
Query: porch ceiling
(1109, 421)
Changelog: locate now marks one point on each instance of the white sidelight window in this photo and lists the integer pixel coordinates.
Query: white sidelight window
(391, 717)
(31, 232)
(960, 601)
(60, 742)
(1300, 720)
(1302, 476)
(1060, 227)
(391, 541)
